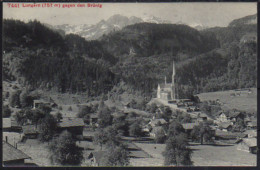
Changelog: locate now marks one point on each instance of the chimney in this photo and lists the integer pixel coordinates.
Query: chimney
(6, 139)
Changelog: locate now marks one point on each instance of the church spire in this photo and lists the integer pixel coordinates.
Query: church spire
(173, 72)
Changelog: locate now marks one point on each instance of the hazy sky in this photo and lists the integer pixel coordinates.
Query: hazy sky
(207, 14)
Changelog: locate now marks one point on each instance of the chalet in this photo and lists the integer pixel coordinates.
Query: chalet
(31, 131)
(7, 124)
(95, 157)
(72, 125)
(252, 124)
(251, 133)
(248, 145)
(13, 156)
(232, 137)
(235, 115)
(225, 126)
(222, 116)
(157, 122)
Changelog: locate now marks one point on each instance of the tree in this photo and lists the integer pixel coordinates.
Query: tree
(104, 117)
(201, 133)
(115, 156)
(6, 111)
(121, 125)
(107, 136)
(14, 99)
(175, 128)
(177, 151)
(64, 150)
(83, 111)
(239, 125)
(135, 129)
(100, 138)
(160, 136)
(25, 99)
(48, 127)
(167, 113)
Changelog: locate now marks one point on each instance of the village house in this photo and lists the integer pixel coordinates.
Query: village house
(251, 133)
(95, 157)
(248, 145)
(222, 116)
(251, 124)
(31, 131)
(13, 156)
(6, 124)
(235, 115)
(225, 126)
(10, 125)
(72, 125)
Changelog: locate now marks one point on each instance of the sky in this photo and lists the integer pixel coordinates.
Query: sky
(205, 14)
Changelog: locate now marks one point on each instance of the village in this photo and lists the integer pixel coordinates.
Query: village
(229, 138)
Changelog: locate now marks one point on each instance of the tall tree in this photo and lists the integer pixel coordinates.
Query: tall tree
(177, 151)
(64, 150)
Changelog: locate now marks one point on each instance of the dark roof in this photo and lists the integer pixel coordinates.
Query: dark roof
(10, 153)
(31, 129)
(97, 155)
(234, 114)
(189, 126)
(6, 123)
(71, 122)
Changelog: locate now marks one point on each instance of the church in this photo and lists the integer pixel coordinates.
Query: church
(167, 91)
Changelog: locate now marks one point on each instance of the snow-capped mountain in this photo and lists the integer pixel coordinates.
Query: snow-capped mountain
(114, 23)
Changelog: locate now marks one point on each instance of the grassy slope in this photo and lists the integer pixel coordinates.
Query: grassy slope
(245, 102)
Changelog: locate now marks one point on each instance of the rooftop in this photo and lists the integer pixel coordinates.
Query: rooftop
(251, 142)
(10, 153)
(6, 123)
(189, 126)
(71, 122)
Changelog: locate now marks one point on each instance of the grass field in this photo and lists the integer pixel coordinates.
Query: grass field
(203, 155)
(245, 101)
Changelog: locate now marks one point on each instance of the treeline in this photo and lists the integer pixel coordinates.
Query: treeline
(40, 57)
(147, 39)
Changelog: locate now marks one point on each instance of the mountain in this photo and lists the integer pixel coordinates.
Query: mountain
(147, 39)
(114, 23)
(140, 55)
(251, 19)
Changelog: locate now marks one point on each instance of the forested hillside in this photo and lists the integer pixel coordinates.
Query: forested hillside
(40, 57)
(140, 55)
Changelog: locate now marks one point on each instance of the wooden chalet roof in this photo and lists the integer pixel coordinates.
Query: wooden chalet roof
(6, 123)
(10, 153)
(71, 122)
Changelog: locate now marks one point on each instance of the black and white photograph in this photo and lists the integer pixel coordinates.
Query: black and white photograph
(129, 84)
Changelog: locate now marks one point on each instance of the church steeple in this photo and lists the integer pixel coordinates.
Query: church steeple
(173, 90)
